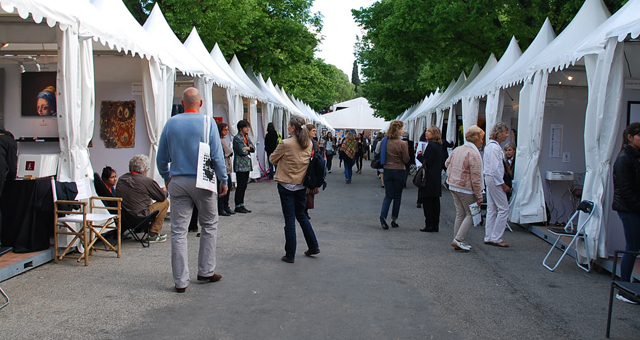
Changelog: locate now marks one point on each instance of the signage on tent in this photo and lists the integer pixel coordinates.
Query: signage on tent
(555, 102)
(136, 89)
(632, 84)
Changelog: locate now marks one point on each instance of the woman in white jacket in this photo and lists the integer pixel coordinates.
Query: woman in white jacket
(497, 203)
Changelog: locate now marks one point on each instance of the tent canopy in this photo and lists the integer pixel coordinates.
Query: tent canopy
(357, 115)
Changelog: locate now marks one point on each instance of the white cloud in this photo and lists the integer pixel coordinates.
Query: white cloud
(339, 31)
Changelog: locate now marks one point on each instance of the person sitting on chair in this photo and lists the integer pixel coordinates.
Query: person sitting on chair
(109, 178)
(138, 193)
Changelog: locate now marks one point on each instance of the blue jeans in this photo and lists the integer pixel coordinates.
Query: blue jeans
(393, 185)
(293, 203)
(631, 224)
(272, 167)
(348, 168)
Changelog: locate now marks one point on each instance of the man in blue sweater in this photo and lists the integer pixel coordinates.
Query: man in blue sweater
(177, 163)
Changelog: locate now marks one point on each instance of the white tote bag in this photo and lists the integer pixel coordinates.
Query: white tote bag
(206, 177)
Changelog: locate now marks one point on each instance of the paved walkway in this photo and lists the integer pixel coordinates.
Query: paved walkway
(368, 283)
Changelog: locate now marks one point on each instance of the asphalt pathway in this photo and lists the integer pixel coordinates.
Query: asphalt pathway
(367, 283)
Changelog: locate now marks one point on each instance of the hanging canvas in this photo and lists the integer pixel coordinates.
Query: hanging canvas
(118, 123)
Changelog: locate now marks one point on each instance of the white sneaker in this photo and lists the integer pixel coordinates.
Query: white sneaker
(624, 299)
(458, 245)
(466, 245)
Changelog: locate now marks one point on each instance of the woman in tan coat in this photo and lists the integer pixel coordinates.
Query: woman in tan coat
(292, 157)
(464, 176)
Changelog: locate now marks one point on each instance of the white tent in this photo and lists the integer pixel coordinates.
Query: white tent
(357, 115)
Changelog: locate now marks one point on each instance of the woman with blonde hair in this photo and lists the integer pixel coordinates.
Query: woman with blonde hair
(497, 189)
(429, 195)
(464, 176)
(292, 157)
(348, 150)
(394, 154)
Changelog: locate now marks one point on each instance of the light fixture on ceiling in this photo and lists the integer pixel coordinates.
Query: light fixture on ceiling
(22, 69)
(38, 67)
(4, 45)
(569, 77)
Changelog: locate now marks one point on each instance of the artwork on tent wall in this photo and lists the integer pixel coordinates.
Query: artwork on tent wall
(39, 94)
(118, 124)
(633, 112)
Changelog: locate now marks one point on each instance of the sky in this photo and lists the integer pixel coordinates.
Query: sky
(340, 31)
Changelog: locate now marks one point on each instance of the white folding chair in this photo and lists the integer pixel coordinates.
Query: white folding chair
(84, 224)
(574, 231)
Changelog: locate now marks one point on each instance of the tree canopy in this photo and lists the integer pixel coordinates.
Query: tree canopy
(412, 47)
(277, 38)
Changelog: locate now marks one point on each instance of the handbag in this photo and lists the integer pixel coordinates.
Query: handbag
(420, 179)
(206, 177)
(375, 162)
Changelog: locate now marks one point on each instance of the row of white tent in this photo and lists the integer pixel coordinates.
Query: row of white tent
(111, 26)
(595, 38)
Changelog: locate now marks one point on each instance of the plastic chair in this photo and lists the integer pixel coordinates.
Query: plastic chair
(135, 224)
(630, 288)
(575, 232)
(84, 225)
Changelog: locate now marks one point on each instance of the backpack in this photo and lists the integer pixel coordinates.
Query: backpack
(316, 172)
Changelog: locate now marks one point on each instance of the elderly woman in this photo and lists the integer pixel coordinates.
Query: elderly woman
(626, 199)
(497, 189)
(223, 202)
(242, 147)
(292, 158)
(464, 177)
(394, 154)
(430, 158)
(348, 152)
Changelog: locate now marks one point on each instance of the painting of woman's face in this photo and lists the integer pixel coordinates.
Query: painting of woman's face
(44, 109)
(39, 94)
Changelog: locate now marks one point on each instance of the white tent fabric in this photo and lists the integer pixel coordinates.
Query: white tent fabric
(196, 47)
(76, 104)
(358, 116)
(451, 125)
(471, 106)
(243, 89)
(158, 27)
(128, 35)
(528, 205)
(157, 98)
(242, 75)
(602, 123)
(515, 74)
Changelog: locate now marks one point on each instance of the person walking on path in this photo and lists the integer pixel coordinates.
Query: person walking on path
(626, 199)
(429, 195)
(329, 149)
(292, 157)
(242, 148)
(497, 189)
(464, 176)
(311, 193)
(348, 152)
(177, 164)
(270, 144)
(394, 154)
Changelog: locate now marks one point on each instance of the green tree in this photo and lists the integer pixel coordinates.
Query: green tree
(275, 37)
(355, 75)
(413, 47)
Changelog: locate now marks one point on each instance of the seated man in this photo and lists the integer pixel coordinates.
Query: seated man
(138, 193)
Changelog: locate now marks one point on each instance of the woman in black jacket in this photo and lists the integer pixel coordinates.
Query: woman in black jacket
(626, 196)
(429, 195)
(270, 144)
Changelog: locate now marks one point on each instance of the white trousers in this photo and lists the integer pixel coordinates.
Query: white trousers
(497, 213)
(184, 195)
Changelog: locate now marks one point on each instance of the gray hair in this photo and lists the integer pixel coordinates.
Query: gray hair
(497, 129)
(139, 163)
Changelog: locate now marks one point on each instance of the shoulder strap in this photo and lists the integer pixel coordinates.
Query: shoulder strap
(206, 127)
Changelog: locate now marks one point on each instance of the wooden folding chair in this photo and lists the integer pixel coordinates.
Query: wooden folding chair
(84, 225)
